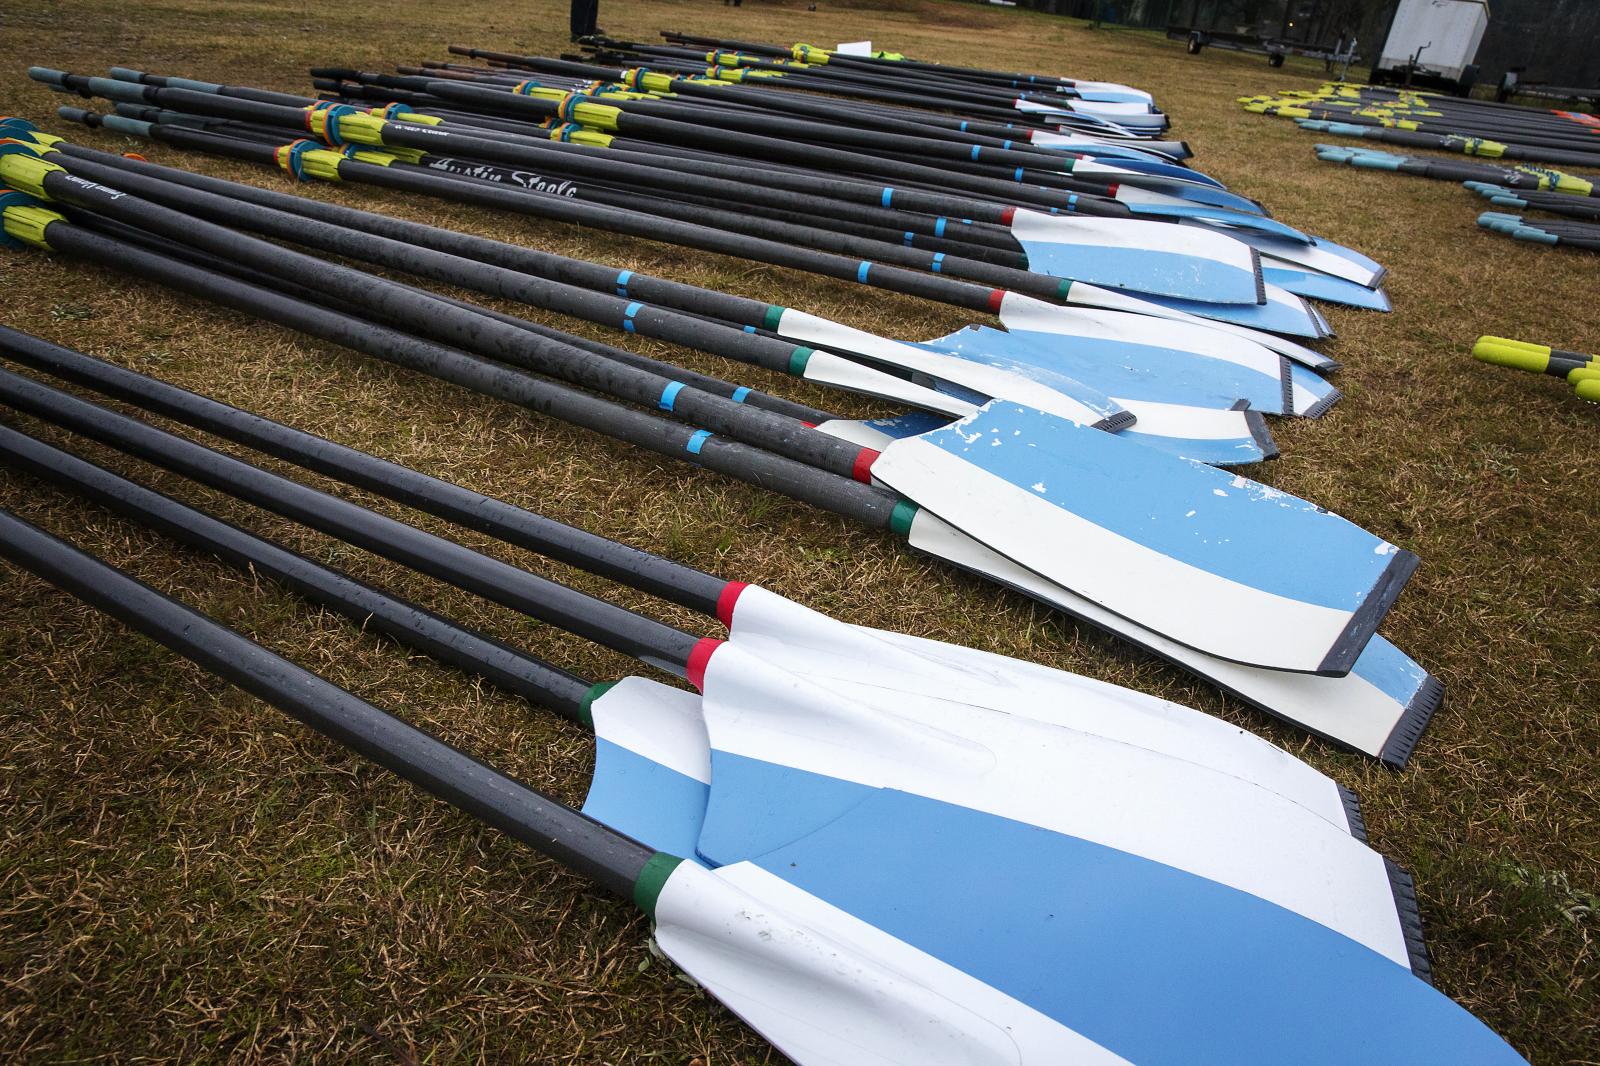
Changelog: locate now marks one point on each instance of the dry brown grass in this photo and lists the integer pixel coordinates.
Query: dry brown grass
(185, 874)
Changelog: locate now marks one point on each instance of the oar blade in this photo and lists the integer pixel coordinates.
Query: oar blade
(1382, 707)
(1218, 563)
(792, 753)
(1078, 953)
(1326, 287)
(652, 772)
(1193, 263)
(809, 644)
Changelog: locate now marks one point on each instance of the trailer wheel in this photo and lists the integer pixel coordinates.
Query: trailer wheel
(1275, 59)
(1196, 42)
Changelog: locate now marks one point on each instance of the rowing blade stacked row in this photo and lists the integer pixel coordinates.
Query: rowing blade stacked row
(873, 848)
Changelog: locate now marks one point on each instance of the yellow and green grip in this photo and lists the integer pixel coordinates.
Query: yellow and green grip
(1537, 358)
(23, 220)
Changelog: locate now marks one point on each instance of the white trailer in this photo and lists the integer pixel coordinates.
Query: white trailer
(1433, 43)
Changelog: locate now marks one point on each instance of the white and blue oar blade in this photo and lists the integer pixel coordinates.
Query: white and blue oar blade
(1325, 287)
(974, 383)
(1164, 307)
(1284, 313)
(790, 754)
(1197, 418)
(1084, 143)
(1237, 436)
(1154, 257)
(652, 764)
(1320, 256)
(1214, 561)
(876, 661)
(1175, 361)
(1080, 87)
(1381, 708)
(1162, 175)
(904, 945)
(1209, 215)
(825, 368)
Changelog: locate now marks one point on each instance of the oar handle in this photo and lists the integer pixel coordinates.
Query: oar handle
(576, 841)
(576, 547)
(368, 606)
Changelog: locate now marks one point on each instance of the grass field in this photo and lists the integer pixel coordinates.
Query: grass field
(186, 874)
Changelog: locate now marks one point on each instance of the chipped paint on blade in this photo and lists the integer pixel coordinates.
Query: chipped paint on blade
(1156, 257)
(1153, 538)
(1361, 710)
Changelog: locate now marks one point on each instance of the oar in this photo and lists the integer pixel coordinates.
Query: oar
(867, 100)
(1052, 484)
(1131, 110)
(1206, 434)
(1226, 829)
(804, 642)
(1556, 203)
(800, 640)
(1154, 189)
(1567, 235)
(1133, 118)
(1381, 707)
(1454, 143)
(1520, 176)
(1172, 260)
(1126, 363)
(840, 949)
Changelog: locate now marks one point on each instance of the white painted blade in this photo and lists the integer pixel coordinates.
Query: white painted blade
(1364, 710)
(1174, 812)
(913, 955)
(1221, 563)
(1036, 316)
(825, 368)
(850, 658)
(1193, 262)
(1307, 256)
(827, 989)
(1113, 300)
(1071, 400)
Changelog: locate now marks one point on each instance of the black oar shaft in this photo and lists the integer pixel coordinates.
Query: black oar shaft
(545, 824)
(402, 177)
(368, 606)
(637, 569)
(586, 616)
(863, 503)
(427, 316)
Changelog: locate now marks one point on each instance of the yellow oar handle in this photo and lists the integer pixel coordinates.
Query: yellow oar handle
(1517, 358)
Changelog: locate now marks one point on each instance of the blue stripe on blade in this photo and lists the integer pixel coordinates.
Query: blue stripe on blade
(1214, 521)
(1158, 965)
(1142, 270)
(654, 805)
